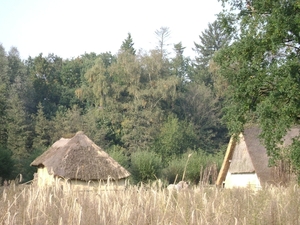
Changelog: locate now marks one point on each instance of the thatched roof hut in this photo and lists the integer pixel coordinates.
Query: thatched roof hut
(78, 158)
(246, 162)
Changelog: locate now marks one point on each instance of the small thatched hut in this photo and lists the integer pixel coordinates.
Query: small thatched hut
(246, 161)
(80, 161)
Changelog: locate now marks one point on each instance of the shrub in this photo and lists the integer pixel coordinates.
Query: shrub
(199, 167)
(28, 171)
(174, 138)
(118, 154)
(174, 171)
(145, 166)
(6, 163)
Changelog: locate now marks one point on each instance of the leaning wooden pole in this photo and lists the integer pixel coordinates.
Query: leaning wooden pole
(226, 162)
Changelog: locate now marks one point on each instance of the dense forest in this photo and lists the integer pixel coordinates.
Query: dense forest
(152, 109)
(147, 109)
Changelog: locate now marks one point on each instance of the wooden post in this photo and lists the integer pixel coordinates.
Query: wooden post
(226, 162)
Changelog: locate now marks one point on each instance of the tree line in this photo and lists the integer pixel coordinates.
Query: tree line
(135, 104)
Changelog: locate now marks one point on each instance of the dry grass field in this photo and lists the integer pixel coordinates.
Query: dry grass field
(27, 204)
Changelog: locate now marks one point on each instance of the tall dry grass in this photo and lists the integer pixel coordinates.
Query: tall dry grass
(144, 205)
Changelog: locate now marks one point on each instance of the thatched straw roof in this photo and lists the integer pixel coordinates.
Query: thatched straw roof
(251, 156)
(248, 155)
(80, 158)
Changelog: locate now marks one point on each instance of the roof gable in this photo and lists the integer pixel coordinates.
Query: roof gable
(248, 154)
(258, 154)
(241, 161)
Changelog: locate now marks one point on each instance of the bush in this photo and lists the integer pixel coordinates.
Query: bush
(118, 154)
(174, 171)
(199, 167)
(295, 157)
(145, 166)
(28, 171)
(174, 138)
(6, 163)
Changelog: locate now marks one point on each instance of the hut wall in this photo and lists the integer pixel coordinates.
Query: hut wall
(43, 177)
(242, 180)
(46, 179)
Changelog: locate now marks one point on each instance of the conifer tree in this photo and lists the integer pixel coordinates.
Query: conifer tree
(163, 34)
(15, 66)
(127, 45)
(18, 131)
(41, 129)
(180, 64)
(3, 95)
(211, 40)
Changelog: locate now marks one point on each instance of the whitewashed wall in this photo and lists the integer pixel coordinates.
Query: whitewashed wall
(44, 178)
(242, 180)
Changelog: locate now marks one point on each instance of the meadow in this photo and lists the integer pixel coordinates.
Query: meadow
(28, 204)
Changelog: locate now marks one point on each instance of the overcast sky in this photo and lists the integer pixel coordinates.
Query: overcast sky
(69, 28)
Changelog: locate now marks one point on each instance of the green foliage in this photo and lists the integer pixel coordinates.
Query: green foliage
(28, 171)
(66, 123)
(127, 45)
(45, 74)
(211, 40)
(180, 65)
(118, 154)
(6, 163)
(96, 86)
(130, 99)
(15, 66)
(3, 94)
(97, 126)
(71, 73)
(262, 68)
(295, 156)
(174, 171)
(199, 107)
(203, 167)
(18, 131)
(175, 138)
(145, 166)
(198, 166)
(125, 103)
(41, 129)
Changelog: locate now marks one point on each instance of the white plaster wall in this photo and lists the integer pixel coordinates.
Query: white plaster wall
(44, 178)
(242, 180)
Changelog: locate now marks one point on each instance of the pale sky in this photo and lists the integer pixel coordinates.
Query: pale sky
(69, 28)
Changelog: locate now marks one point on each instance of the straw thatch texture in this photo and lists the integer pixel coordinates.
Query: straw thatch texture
(81, 159)
(247, 155)
(241, 160)
(258, 155)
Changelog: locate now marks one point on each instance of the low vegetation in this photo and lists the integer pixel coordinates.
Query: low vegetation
(148, 205)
